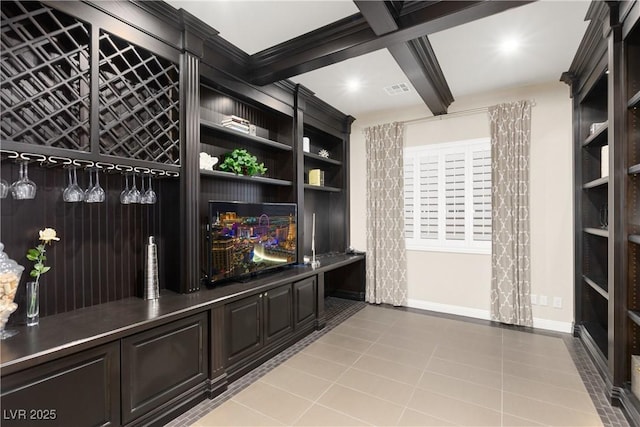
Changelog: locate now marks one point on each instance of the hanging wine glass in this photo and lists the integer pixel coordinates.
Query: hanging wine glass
(134, 193)
(150, 194)
(89, 187)
(124, 195)
(4, 188)
(73, 193)
(95, 193)
(23, 188)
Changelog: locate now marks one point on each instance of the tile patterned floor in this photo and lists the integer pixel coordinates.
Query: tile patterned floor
(382, 366)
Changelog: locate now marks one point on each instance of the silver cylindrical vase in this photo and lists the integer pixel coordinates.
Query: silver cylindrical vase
(151, 284)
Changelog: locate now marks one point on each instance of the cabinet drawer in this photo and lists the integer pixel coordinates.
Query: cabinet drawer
(78, 390)
(159, 364)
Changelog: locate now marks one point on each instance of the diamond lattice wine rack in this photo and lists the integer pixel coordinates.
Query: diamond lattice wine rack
(138, 102)
(45, 77)
(46, 90)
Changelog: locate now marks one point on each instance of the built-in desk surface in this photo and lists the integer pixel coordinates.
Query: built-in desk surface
(67, 333)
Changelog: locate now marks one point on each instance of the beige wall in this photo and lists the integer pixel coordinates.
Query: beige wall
(460, 283)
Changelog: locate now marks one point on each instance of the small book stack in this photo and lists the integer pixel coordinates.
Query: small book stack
(236, 123)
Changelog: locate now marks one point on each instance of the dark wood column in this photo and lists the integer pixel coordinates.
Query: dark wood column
(189, 170)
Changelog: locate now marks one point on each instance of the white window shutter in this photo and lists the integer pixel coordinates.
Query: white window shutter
(454, 188)
(429, 197)
(409, 198)
(481, 195)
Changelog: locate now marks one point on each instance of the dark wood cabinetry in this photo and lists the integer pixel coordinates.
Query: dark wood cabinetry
(162, 364)
(258, 321)
(605, 82)
(305, 297)
(278, 313)
(243, 328)
(82, 389)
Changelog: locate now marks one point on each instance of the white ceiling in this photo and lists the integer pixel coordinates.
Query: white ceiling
(549, 31)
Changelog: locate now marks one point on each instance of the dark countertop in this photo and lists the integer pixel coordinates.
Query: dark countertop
(67, 333)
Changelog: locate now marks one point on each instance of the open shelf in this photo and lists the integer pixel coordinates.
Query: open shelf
(596, 183)
(635, 169)
(634, 101)
(322, 188)
(634, 238)
(257, 139)
(598, 137)
(602, 232)
(258, 179)
(634, 316)
(318, 158)
(596, 287)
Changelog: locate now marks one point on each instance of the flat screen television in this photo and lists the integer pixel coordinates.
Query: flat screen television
(245, 239)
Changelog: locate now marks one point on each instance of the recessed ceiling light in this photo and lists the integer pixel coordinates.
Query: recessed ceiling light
(353, 85)
(509, 45)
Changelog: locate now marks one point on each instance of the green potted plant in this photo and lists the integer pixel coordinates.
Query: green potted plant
(241, 162)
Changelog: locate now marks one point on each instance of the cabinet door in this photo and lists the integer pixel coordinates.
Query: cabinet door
(78, 390)
(304, 301)
(277, 313)
(162, 363)
(242, 327)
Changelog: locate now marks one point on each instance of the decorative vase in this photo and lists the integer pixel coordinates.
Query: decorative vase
(10, 273)
(33, 304)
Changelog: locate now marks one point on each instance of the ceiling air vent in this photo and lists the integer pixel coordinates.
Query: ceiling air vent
(397, 89)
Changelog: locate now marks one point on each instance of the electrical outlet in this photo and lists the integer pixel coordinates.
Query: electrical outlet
(542, 300)
(534, 299)
(557, 302)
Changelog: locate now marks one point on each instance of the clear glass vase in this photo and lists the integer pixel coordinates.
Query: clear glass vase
(10, 273)
(33, 304)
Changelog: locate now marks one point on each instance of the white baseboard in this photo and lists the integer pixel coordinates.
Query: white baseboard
(476, 313)
(553, 325)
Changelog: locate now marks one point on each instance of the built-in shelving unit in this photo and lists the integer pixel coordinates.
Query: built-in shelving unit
(606, 89)
(332, 194)
(630, 247)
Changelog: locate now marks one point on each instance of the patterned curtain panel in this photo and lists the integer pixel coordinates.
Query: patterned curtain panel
(510, 259)
(386, 258)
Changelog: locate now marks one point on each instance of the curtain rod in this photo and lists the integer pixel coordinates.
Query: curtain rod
(455, 114)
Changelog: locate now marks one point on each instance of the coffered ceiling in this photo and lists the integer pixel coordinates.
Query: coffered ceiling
(348, 52)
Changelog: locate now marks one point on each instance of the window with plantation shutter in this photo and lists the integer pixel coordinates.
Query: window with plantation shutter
(447, 203)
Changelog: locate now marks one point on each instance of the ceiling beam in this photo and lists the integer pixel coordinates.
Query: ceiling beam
(416, 57)
(352, 36)
(378, 16)
(420, 65)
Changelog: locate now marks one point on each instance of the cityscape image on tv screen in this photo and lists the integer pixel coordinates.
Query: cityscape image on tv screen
(248, 238)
